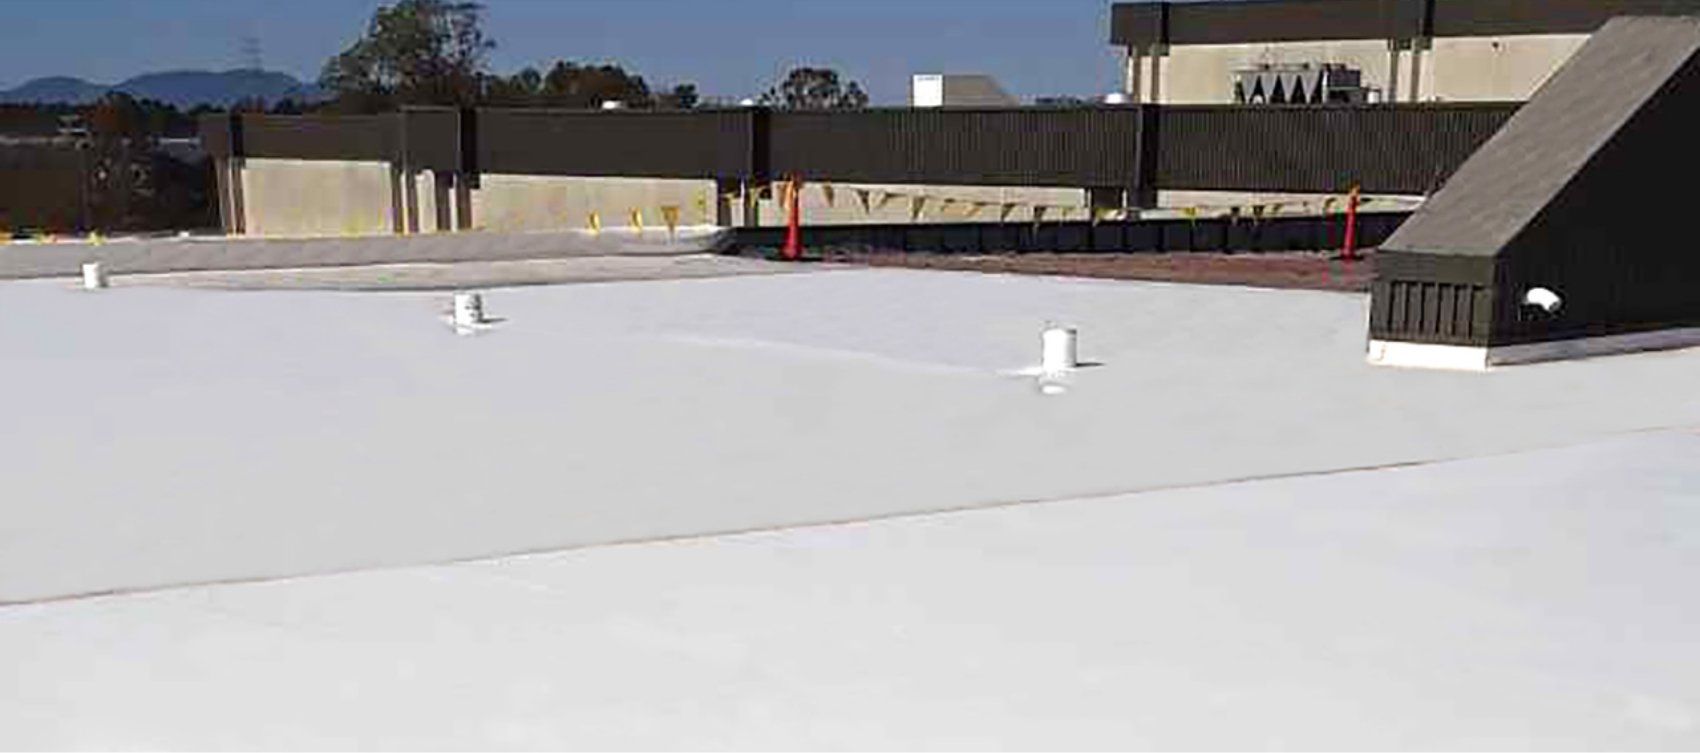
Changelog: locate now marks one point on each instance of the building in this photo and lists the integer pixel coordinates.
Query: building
(957, 90)
(1403, 50)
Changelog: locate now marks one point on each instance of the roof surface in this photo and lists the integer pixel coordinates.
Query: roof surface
(1230, 532)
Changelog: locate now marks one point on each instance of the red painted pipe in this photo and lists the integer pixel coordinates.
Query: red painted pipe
(1350, 252)
(794, 222)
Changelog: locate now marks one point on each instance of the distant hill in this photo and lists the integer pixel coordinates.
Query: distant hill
(185, 89)
(54, 90)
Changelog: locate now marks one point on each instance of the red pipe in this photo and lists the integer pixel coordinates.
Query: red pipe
(1350, 252)
(794, 222)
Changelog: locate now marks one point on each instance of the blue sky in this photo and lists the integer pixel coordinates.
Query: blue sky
(729, 47)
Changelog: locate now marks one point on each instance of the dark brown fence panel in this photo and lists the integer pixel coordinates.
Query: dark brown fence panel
(1097, 146)
(1408, 149)
(430, 138)
(1505, 17)
(699, 144)
(1293, 21)
(43, 187)
(320, 137)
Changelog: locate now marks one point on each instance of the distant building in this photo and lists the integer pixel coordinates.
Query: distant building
(957, 90)
(1402, 50)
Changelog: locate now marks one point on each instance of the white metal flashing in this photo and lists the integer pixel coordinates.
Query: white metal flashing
(1467, 358)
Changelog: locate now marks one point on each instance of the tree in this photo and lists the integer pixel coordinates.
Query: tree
(815, 89)
(117, 159)
(573, 85)
(681, 97)
(522, 89)
(413, 52)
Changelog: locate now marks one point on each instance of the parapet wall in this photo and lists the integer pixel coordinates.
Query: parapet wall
(434, 170)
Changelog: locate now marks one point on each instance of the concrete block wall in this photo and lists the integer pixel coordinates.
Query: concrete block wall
(302, 198)
(1210, 203)
(1204, 74)
(1496, 68)
(1462, 69)
(547, 202)
(286, 198)
(846, 207)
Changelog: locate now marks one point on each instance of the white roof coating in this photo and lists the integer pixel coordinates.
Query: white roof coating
(1203, 575)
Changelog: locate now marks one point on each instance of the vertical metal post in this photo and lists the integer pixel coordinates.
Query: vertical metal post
(1132, 75)
(1157, 53)
(1417, 47)
(1393, 56)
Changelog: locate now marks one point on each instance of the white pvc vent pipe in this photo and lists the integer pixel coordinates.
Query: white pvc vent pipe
(1543, 299)
(94, 276)
(1059, 350)
(469, 310)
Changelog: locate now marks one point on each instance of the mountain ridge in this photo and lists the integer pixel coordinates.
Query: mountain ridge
(181, 88)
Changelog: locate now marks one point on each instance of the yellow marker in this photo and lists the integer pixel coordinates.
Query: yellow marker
(917, 205)
(636, 217)
(863, 195)
(1005, 210)
(831, 195)
(670, 215)
(594, 220)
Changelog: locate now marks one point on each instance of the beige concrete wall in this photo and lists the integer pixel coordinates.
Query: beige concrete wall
(542, 202)
(1211, 203)
(1469, 69)
(1495, 68)
(425, 187)
(1204, 74)
(846, 207)
(292, 198)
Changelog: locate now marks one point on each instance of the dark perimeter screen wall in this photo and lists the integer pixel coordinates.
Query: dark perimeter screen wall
(1408, 149)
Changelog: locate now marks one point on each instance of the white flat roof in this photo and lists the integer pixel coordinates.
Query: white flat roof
(1214, 582)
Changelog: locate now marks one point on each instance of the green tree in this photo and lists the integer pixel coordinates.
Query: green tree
(815, 89)
(681, 97)
(523, 89)
(581, 86)
(413, 52)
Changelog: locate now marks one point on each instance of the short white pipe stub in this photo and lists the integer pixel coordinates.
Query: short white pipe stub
(1059, 350)
(1543, 299)
(94, 276)
(469, 310)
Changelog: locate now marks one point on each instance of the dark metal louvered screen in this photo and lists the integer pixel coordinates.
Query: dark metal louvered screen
(1405, 149)
(700, 144)
(1076, 147)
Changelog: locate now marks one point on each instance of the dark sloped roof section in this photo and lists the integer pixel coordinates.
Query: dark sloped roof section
(1499, 190)
(1573, 194)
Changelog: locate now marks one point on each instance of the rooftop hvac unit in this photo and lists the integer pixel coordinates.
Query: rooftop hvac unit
(1299, 84)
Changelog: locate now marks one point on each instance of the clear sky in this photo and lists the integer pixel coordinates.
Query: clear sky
(730, 48)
